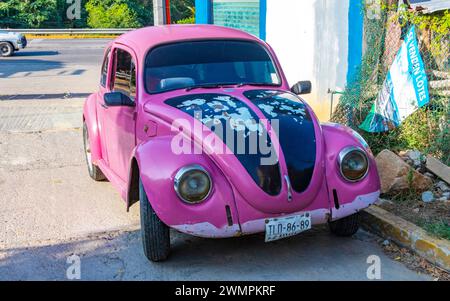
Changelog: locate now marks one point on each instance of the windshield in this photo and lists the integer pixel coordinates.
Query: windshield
(208, 63)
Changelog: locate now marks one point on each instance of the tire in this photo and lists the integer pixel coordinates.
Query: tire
(94, 171)
(6, 49)
(155, 234)
(346, 226)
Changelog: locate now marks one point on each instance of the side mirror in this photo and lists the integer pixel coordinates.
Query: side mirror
(115, 99)
(301, 87)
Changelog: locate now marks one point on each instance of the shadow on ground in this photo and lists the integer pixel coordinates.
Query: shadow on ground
(314, 255)
(12, 66)
(35, 53)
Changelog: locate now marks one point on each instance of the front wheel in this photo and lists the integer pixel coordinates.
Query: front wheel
(6, 49)
(155, 234)
(346, 226)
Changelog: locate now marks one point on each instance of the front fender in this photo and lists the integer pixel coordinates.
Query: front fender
(90, 118)
(348, 197)
(158, 165)
(12, 41)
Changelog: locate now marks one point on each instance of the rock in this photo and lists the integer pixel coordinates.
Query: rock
(386, 242)
(414, 155)
(416, 210)
(427, 197)
(442, 186)
(397, 176)
(442, 199)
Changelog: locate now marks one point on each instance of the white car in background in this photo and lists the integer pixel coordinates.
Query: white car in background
(11, 42)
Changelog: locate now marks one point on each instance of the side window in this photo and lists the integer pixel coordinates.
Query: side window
(125, 76)
(105, 66)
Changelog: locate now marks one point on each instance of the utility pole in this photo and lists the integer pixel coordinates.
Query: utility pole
(161, 12)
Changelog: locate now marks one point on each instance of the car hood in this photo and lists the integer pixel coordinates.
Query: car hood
(264, 140)
(11, 34)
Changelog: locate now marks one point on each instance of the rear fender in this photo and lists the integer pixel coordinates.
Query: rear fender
(90, 118)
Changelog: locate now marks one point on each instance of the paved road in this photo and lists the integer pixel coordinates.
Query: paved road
(50, 209)
(53, 66)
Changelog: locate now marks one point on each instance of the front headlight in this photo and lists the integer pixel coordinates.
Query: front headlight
(192, 184)
(353, 164)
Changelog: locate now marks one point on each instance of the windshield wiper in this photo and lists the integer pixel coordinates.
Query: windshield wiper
(258, 84)
(210, 86)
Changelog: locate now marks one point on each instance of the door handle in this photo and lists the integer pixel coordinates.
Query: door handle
(104, 106)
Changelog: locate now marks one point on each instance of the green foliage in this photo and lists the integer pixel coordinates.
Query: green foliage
(439, 229)
(118, 13)
(111, 14)
(94, 13)
(437, 23)
(30, 13)
(38, 14)
(428, 128)
(190, 20)
(53, 13)
(182, 11)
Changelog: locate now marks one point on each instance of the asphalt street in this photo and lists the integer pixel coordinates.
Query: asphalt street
(52, 67)
(50, 209)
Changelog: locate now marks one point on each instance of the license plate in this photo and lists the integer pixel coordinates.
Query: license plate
(282, 227)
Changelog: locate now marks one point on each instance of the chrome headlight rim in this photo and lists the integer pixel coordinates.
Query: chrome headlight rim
(346, 151)
(179, 175)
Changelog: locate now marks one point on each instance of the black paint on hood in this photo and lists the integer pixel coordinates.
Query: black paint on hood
(296, 132)
(241, 124)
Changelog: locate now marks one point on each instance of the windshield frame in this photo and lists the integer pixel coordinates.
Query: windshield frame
(274, 61)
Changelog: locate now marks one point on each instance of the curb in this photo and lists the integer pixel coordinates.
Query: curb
(69, 36)
(407, 235)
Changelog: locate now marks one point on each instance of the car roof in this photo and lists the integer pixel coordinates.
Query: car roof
(141, 40)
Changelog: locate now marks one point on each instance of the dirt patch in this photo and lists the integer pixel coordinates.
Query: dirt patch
(413, 261)
(434, 217)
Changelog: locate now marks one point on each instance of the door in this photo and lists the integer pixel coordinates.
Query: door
(119, 121)
(104, 88)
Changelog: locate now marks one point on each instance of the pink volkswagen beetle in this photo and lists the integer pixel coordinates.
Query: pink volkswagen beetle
(199, 125)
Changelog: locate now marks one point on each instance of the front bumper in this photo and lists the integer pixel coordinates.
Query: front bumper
(318, 216)
(22, 43)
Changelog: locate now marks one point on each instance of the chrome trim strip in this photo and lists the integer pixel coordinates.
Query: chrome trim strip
(289, 188)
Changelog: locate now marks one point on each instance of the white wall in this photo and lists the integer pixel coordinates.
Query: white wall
(310, 38)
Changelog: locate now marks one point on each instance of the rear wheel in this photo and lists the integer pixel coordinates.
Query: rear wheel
(94, 170)
(346, 226)
(155, 234)
(6, 49)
